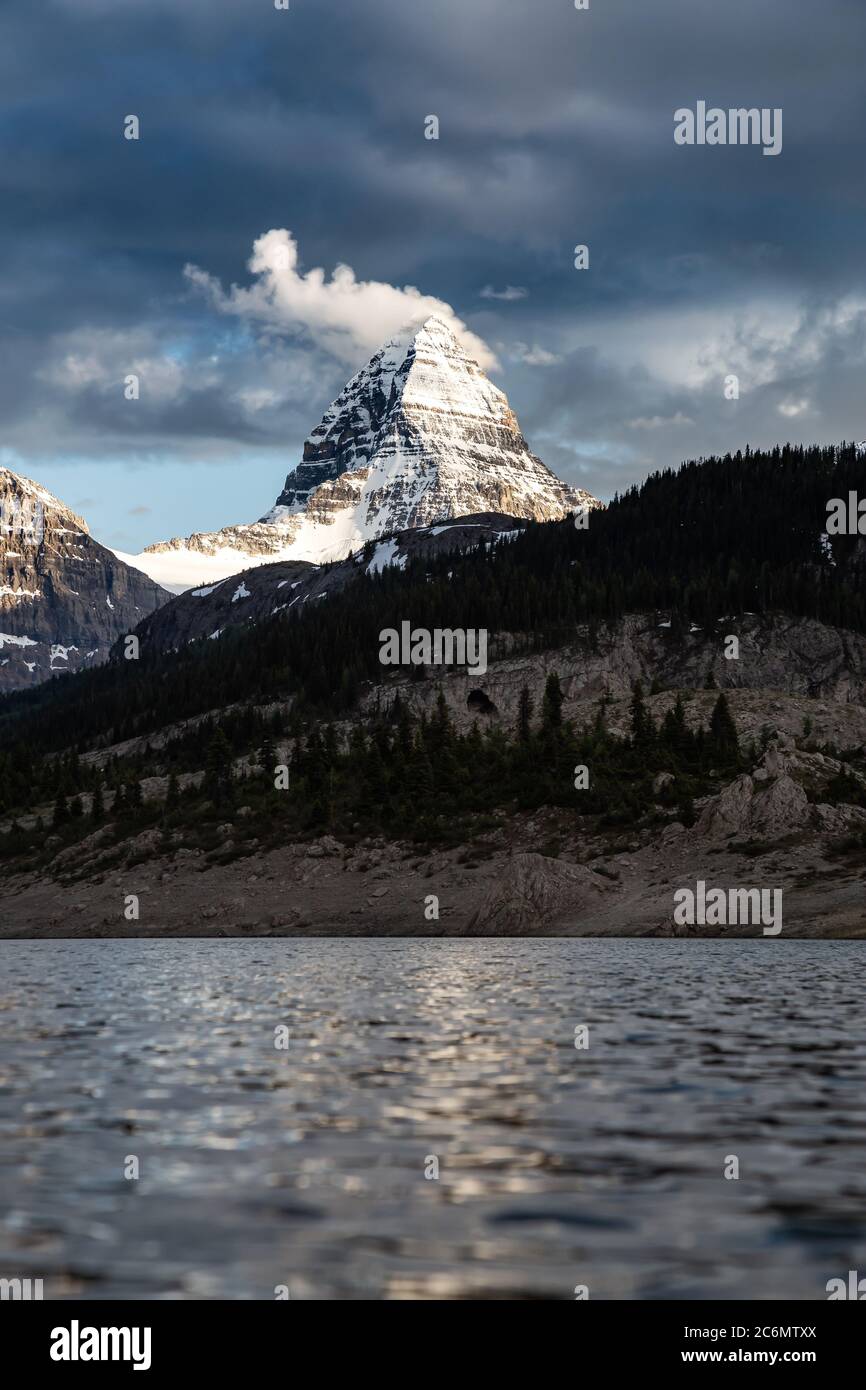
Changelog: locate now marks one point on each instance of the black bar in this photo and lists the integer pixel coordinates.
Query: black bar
(240, 1337)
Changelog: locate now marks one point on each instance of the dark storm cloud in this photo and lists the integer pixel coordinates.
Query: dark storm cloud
(556, 128)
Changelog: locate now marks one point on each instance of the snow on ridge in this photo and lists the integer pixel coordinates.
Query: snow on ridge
(41, 494)
(59, 653)
(437, 530)
(187, 568)
(6, 591)
(386, 553)
(509, 535)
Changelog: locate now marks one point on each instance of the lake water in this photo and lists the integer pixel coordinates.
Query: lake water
(558, 1167)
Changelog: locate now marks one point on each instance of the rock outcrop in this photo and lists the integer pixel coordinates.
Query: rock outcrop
(824, 667)
(536, 892)
(749, 807)
(64, 598)
(773, 801)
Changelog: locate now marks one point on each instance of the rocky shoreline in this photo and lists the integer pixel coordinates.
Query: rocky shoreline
(538, 875)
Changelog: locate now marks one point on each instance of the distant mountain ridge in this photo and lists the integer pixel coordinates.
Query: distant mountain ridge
(64, 598)
(419, 435)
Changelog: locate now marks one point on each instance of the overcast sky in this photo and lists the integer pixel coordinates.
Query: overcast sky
(556, 128)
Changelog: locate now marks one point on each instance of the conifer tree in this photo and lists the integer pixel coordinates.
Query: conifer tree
(440, 731)
(675, 733)
(268, 758)
(723, 741)
(641, 721)
(218, 768)
(551, 708)
(524, 716)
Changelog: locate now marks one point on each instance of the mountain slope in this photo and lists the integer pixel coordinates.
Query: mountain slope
(64, 598)
(262, 592)
(419, 435)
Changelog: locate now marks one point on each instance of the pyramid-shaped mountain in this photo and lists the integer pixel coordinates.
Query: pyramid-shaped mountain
(419, 435)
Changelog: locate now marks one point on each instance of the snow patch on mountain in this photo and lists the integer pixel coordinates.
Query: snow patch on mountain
(386, 554)
(185, 568)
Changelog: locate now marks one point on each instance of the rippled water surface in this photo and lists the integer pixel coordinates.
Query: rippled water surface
(557, 1167)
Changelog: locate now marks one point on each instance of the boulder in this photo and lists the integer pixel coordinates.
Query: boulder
(534, 893)
(781, 808)
(772, 807)
(727, 813)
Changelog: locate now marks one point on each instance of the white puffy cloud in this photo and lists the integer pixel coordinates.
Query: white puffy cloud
(792, 408)
(657, 422)
(509, 295)
(100, 359)
(533, 355)
(348, 318)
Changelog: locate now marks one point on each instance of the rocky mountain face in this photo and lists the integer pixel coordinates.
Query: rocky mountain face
(288, 585)
(64, 598)
(419, 435)
(824, 667)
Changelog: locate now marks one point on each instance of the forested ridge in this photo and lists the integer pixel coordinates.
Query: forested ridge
(403, 776)
(716, 537)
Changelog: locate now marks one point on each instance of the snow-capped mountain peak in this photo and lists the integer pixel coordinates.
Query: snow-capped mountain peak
(419, 435)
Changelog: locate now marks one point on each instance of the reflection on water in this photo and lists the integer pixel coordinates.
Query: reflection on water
(557, 1167)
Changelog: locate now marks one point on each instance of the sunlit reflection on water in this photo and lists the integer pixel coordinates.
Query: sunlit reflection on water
(306, 1167)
